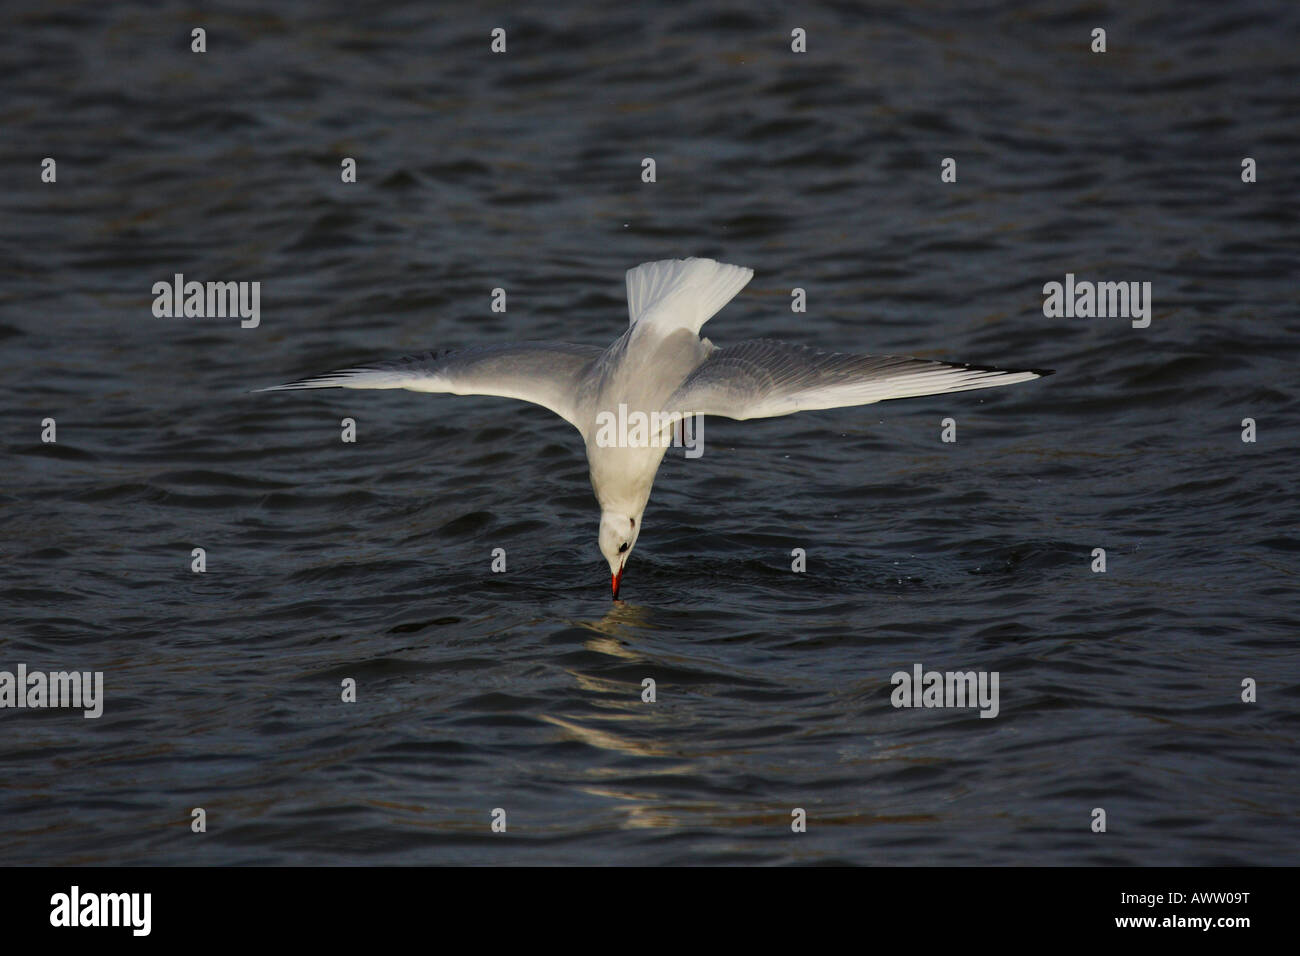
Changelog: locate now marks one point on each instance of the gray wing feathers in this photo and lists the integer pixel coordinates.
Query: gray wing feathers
(763, 379)
(543, 373)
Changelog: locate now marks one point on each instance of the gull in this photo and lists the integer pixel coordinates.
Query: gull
(661, 367)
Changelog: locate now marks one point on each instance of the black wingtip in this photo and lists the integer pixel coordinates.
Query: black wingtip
(998, 368)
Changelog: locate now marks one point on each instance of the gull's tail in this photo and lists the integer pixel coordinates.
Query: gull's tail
(681, 293)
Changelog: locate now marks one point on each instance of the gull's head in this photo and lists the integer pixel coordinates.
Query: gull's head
(618, 533)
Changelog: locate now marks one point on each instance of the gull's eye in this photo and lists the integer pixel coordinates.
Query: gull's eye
(622, 547)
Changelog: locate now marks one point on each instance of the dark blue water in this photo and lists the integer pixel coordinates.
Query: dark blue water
(522, 691)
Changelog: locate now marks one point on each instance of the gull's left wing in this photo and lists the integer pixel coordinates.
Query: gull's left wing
(765, 379)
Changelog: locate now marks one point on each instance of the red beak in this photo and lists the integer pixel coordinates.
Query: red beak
(616, 581)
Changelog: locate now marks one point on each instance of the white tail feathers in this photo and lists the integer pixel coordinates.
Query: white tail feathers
(682, 293)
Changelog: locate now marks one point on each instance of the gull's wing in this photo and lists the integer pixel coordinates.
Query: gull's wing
(681, 293)
(544, 373)
(764, 379)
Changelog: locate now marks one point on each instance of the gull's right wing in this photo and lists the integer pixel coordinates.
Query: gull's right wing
(765, 379)
(543, 373)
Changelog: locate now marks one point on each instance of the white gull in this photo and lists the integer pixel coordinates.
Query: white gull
(660, 366)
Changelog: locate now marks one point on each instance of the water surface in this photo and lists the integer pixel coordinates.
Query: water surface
(371, 561)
